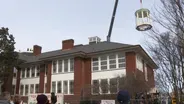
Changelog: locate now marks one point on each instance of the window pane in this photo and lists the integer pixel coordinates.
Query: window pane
(113, 85)
(104, 86)
(140, 14)
(112, 66)
(145, 14)
(54, 66)
(95, 68)
(33, 72)
(112, 61)
(95, 63)
(95, 86)
(54, 87)
(66, 65)
(104, 63)
(103, 57)
(103, 67)
(71, 65)
(26, 89)
(71, 87)
(65, 87)
(95, 59)
(21, 89)
(60, 66)
(59, 87)
(23, 73)
(37, 88)
(32, 88)
(122, 65)
(14, 74)
(121, 60)
(28, 73)
(38, 71)
(112, 57)
(121, 55)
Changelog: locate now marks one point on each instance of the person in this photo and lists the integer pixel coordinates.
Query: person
(11, 100)
(123, 97)
(16, 99)
(53, 98)
(42, 99)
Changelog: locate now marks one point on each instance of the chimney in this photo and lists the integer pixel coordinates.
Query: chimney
(67, 44)
(37, 50)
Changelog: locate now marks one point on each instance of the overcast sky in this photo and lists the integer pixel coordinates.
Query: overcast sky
(48, 22)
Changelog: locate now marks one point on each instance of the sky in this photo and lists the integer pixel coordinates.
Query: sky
(48, 22)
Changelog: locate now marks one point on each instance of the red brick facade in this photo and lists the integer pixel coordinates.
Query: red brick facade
(42, 79)
(130, 62)
(49, 73)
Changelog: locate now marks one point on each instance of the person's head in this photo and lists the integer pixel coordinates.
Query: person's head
(42, 99)
(16, 99)
(52, 94)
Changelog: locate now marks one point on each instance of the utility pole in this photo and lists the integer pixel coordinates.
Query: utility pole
(112, 21)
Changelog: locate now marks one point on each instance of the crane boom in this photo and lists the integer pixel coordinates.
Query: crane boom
(112, 21)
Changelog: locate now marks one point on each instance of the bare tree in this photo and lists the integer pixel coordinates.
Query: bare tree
(167, 46)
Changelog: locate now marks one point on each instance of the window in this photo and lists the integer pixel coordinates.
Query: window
(65, 87)
(37, 88)
(38, 71)
(23, 73)
(26, 89)
(121, 61)
(104, 86)
(21, 89)
(95, 86)
(60, 66)
(28, 73)
(54, 87)
(33, 71)
(71, 86)
(71, 65)
(112, 61)
(66, 65)
(95, 64)
(32, 88)
(13, 89)
(59, 88)
(113, 85)
(103, 63)
(54, 66)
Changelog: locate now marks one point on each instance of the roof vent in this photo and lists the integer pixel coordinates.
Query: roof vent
(94, 40)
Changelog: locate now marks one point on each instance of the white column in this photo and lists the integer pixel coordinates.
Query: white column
(62, 66)
(99, 63)
(68, 65)
(108, 81)
(68, 87)
(57, 66)
(117, 63)
(61, 86)
(108, 63)
(23, 90)
(100, 90)
(25, 72)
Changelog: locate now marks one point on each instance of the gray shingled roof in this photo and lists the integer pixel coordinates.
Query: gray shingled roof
(90, 48)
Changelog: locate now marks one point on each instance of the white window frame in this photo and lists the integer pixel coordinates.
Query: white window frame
(146, 71)
(118, 58)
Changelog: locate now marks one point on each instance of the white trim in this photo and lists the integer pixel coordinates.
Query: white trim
(68, 86)
(62, 90)
(99, 63)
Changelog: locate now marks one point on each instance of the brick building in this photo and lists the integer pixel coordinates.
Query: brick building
(73, 69)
